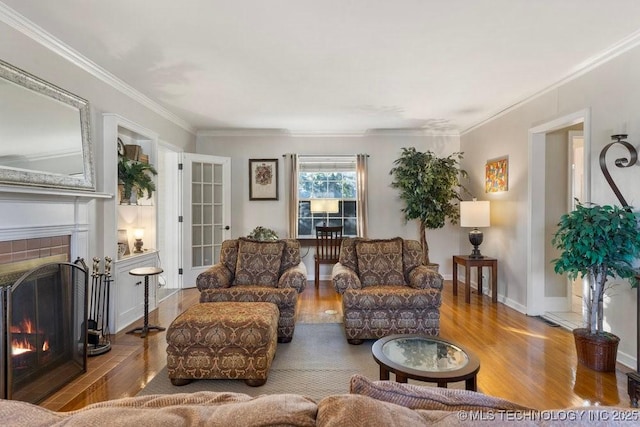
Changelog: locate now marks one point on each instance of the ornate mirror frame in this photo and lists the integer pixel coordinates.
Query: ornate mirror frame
(17, 176)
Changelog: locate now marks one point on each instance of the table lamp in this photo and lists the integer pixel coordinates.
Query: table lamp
(138, 234)
(326, 206)
(475, 214)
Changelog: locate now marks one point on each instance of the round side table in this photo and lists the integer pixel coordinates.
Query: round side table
(146, 272)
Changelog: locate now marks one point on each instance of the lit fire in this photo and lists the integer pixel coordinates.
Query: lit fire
(22, 346)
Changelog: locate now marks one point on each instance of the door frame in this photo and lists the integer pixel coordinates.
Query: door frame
(170, 210)
(537, 303)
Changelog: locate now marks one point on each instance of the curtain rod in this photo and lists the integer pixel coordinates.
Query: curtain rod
(326, 155)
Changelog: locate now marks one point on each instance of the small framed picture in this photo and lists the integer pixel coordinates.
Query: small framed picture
(263, 179)
(497, 175)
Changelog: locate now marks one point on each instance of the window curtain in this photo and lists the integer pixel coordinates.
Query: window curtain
(291, 168)
(361, 183)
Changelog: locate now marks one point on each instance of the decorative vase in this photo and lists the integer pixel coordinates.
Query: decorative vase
(597, 352)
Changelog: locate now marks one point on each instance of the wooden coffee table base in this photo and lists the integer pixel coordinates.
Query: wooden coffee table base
(469, 383)
(467, 372)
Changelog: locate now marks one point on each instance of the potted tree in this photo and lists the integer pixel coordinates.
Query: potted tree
(135, 176)
(597, 243)
(429, 187)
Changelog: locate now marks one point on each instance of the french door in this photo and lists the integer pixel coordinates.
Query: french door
(206, 215)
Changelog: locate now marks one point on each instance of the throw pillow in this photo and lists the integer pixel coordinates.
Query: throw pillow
(348, 257)
(430, 398)
(258, 262)
(380, 262)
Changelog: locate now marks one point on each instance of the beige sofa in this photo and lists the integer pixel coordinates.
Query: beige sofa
(369, 403)
(386, 289)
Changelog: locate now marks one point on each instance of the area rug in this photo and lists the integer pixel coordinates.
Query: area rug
(318, 362)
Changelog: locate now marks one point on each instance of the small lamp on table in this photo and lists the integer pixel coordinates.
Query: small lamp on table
(475, 214)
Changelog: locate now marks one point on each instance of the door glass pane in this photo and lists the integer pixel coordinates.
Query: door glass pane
(197, 235)
(207, 173)
(196, 215)
(207, 193)
(217, 174)
(196, 256)
(196, 172)
(196, 193)
(207, 254)
(207, 235)
(207, 214)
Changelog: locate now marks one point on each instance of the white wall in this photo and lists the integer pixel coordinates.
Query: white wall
(385, 218)
(612, 93)
(23, 52)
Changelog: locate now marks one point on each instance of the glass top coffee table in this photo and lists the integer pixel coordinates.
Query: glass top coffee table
(425, 358)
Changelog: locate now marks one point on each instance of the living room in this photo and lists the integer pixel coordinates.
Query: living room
(601, 95)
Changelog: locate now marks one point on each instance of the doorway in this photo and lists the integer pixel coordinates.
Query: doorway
(559, 153)
(170, 234)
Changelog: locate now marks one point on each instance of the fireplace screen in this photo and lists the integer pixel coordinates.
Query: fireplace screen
(44, 334)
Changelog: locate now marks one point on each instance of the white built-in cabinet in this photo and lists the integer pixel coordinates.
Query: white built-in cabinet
(120, 219)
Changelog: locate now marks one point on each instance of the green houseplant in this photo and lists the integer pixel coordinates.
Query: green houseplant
(135, 176)
(263, 234)
(429, 187)
(597, 242)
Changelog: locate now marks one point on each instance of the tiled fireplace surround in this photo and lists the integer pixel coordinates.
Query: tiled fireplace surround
(39, 247)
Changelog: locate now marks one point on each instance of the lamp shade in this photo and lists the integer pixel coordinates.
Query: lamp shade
(325, 205)
(475, 214)
(138, 233)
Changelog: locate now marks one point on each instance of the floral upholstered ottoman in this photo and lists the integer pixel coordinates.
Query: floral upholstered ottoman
(223, 340)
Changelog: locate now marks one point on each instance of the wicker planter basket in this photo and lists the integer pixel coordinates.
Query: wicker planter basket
(596, 351)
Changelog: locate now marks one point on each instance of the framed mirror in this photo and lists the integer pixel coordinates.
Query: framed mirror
(44, 134)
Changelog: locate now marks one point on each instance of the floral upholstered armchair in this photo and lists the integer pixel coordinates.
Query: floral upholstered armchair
(251, 270)
(386, 289)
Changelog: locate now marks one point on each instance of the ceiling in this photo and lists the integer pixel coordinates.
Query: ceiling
(339, 66)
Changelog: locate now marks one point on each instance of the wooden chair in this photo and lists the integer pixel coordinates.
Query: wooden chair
(328, 241)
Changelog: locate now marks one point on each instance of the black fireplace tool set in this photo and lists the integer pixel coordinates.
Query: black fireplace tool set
(98, 322)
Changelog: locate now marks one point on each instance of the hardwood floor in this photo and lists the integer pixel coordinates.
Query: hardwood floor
(523, 359)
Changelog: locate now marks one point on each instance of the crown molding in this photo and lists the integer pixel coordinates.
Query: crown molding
(238, 132)
(243, 132)
(39, 35)
(613, 51)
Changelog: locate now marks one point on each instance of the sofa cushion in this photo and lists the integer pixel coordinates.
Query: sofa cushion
(229, 254)
(258, 262)
(351, 410)
(431, 398)
(200, 408)
(290, 255)
(348, 257)
(380, 262)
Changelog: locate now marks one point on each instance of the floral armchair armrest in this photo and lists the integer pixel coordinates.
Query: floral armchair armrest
(217, 276)
(423, 277)
(344, 278)
(294, 277)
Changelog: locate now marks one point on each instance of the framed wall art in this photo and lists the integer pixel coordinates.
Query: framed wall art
(496, 175)
(263, 179)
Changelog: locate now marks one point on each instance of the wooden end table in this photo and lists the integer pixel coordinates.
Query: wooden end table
(468, 262)
(425, 358)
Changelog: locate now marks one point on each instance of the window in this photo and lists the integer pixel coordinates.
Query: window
(331, 179)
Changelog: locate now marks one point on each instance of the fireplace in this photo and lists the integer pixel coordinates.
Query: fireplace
(43, 329)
